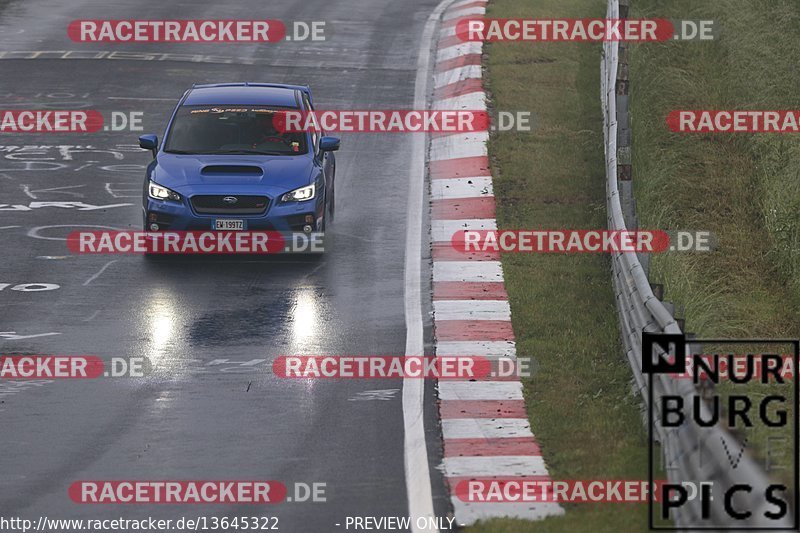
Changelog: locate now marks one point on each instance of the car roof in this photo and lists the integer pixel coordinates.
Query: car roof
(242, 94)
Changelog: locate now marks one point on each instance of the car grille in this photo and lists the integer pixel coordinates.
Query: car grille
(244, 205)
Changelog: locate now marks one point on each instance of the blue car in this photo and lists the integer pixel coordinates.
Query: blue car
(226, 164)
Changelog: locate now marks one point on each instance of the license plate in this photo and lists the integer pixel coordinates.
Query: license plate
(229, 224)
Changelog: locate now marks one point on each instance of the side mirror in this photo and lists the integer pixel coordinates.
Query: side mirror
(329, 144)
(149, 142)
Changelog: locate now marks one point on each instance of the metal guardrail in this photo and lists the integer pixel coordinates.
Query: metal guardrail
(690, 453)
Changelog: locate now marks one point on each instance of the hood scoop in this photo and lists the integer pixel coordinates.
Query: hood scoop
(232, 170)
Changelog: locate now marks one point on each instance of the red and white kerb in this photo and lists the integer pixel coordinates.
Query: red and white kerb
(484, 422)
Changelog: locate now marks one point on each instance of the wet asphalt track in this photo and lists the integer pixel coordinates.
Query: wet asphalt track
(200, 320)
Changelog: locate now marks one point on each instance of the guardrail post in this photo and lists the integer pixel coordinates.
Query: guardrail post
(658, 291)
(680, 311)
(624, 169)
(624, 7)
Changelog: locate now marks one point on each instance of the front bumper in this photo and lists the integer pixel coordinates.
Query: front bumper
(284, 217)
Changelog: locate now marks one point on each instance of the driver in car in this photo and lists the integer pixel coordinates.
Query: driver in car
(266, 131)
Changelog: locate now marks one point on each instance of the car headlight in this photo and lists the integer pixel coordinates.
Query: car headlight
(162, 193)
(299, 195)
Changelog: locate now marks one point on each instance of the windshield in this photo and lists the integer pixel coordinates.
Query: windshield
(231, 130)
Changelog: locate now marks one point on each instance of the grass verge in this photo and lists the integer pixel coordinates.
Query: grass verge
(580, 402)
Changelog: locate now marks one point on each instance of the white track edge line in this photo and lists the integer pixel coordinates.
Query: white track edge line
(417, 471)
